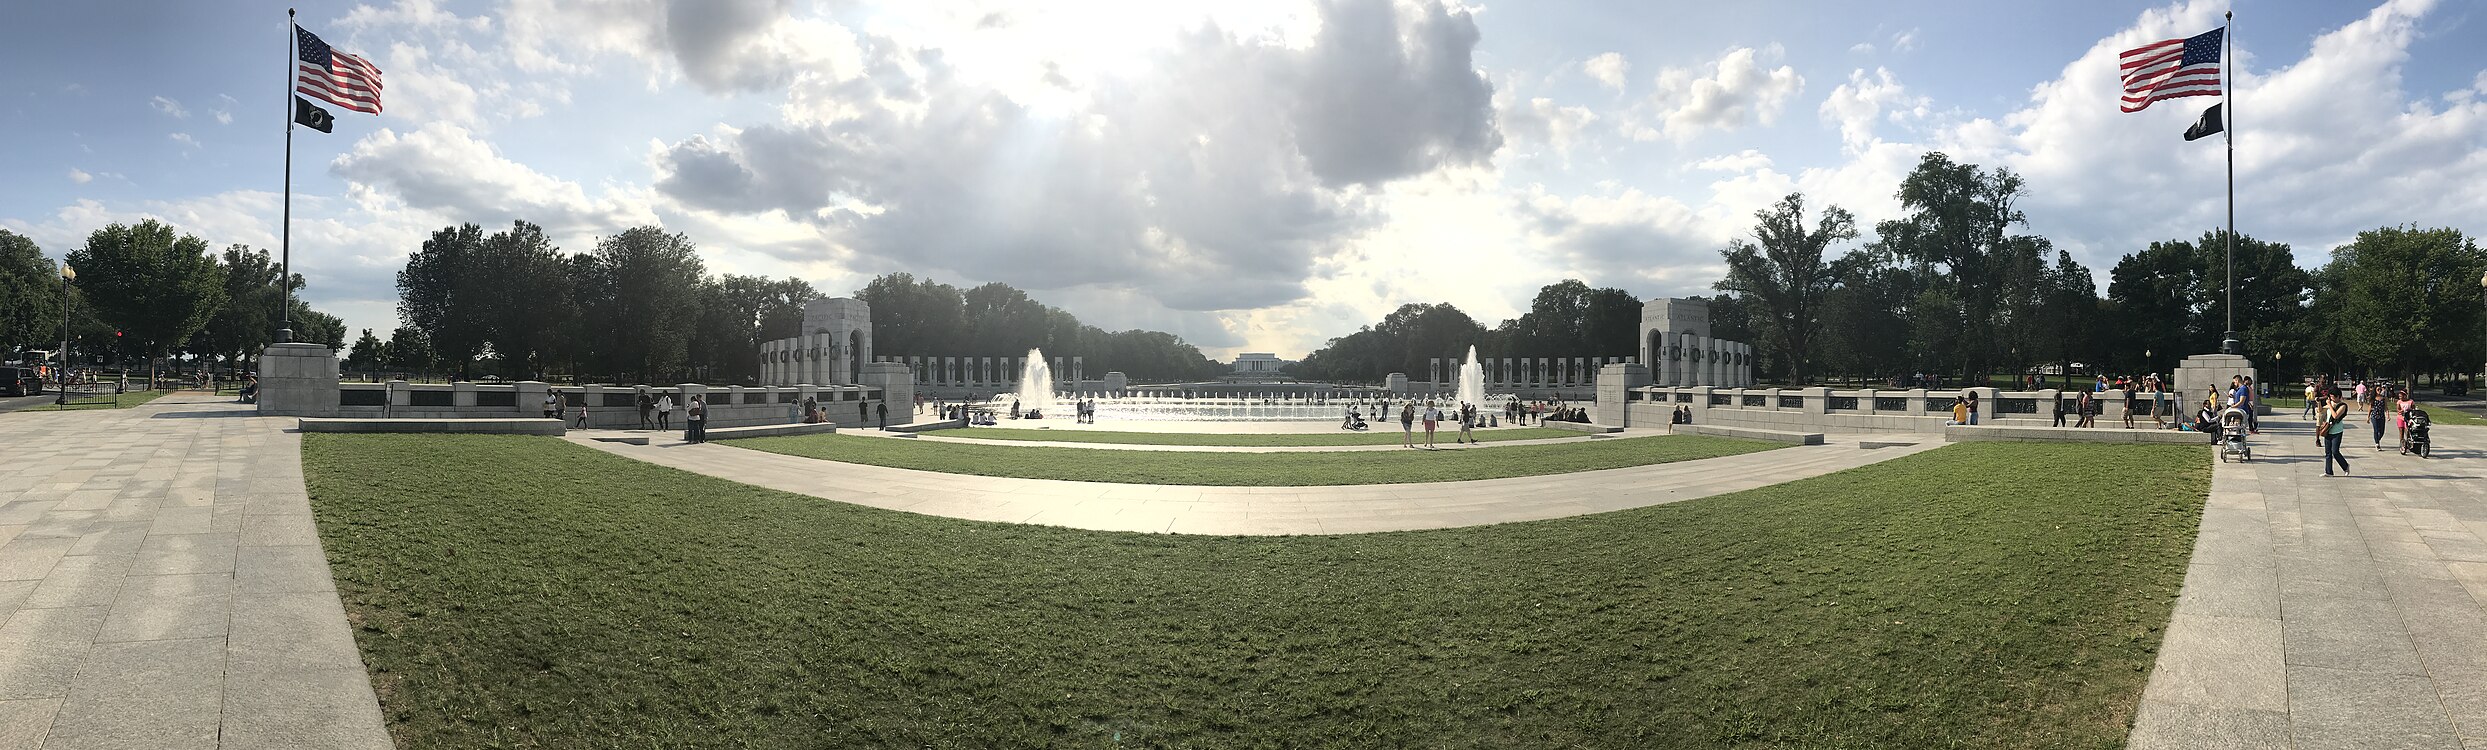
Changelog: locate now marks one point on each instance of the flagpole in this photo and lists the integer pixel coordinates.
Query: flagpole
(2228, 107)
(285, 232)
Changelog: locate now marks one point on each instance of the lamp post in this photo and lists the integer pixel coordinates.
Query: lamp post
(67, 274)
(2482, 328)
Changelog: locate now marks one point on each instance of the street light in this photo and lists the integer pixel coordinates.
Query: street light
(67, 274)
(2482, 336)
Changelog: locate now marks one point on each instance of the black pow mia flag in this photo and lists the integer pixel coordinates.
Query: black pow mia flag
(2206, 127)
(311, 116)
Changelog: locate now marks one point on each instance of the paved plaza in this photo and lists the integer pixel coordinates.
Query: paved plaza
(162, 586)
(2331, 612)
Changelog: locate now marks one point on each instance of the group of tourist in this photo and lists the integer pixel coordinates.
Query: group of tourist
(2387, 404)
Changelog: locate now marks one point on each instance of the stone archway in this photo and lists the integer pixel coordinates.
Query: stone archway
(854, 356)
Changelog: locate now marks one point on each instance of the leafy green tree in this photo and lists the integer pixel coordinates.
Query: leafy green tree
(915, 317)
(409, 350)
(247, 322)
(315, 327)
(368, 353)
(444, 292)
(2404, 300)
(30, 294)
(1787, 274)
(642, 302)
(527, 297)
(1957, 238)
(157, 288)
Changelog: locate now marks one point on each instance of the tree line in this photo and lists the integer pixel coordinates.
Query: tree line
(147, 292)
(1566, 319)
(1957, 286)
(641, 307)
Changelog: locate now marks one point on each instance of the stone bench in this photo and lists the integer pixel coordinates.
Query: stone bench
(471, 426)
(1588, 427)
(1972, 433)
(772, 430)
(1748, 433)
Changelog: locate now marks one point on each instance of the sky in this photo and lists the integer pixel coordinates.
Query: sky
(1252, 176)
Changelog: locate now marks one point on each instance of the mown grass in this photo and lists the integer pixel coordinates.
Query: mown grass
(524, 592)
(106, 401)
(1377, 436)
(1291, 469)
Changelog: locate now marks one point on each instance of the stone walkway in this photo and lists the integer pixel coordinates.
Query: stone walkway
(1350, 509)
(965, 436)
(162, 586)
(2331, 612)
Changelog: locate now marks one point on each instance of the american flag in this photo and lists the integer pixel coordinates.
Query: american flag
(339, 78)
(2172, 69)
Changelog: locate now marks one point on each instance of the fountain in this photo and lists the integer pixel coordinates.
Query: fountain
(1036, 384)
(1472, 381)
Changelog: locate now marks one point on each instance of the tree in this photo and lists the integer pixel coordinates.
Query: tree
(915, 317)
(442, 292)
(247, 322)
(368, 353)
(643, 300)
(1787, 275)
(2399, 299)
(30, 294)
(158, 289)
(1956, 239)
(527, 297)
(315, 327)
(408, 349)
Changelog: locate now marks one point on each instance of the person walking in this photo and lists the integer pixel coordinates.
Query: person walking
(665, 411)
(2334, 423)
(1433, 418)
(882, 409)
(2060, 411)
(696, 418)
(2158, 399)
(2249, 398)
(1468, 424)
(647, 409)
(2377, 412)
(2087, 406)
(1407, 424)
(582, 415)
(2400, 413)
(2132, 403)
(2311, 399)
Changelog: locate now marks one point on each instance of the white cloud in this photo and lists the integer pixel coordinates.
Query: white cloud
(1861, 48)
(447, 170)
(185, 140)
(1732, 93)
(1904, 41)
(79, 176)
(169, 107)
(1857, 105)
(1741, 161)
(1609, 69)
(224, 112)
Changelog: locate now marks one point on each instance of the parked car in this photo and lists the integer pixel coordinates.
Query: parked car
(20, 381)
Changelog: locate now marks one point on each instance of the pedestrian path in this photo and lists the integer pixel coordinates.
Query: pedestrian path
(1348, 509)
(2331, 612)
(162, 586)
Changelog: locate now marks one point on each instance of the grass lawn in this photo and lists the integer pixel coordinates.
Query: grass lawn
(107, 401)
(1375, 437)
(524, 592)
(1293, 469)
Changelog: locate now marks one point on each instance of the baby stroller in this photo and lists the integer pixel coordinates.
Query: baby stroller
(1354, 422)
(2232, 436)
(2418, 442)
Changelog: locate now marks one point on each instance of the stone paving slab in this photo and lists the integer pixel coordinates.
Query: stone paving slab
(1345, 509)
(162, 586)
(2341, 612)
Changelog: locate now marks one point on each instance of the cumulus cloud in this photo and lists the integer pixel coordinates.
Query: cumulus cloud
(1622, 235)
(79, 176)
(1215, 178)
(185, 140)
(169, 107)
(1856, 106)
(1741, 161)
(1736, 91)
(445, 169)
(1609, 69)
